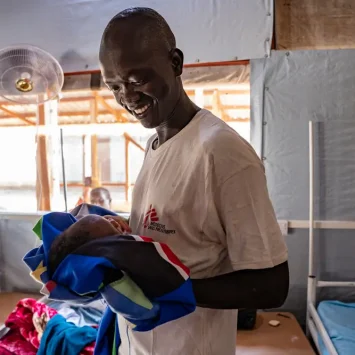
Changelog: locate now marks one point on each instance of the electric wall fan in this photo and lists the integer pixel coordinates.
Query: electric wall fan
(30, 75)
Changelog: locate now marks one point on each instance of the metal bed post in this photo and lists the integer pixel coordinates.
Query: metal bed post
(314, 325)
(311, 283)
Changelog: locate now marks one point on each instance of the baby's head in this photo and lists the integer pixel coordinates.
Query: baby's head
(84, 230)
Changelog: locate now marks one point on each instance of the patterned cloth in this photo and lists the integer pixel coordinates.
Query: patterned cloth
(24, 336)
(140, 279)
(27, 324)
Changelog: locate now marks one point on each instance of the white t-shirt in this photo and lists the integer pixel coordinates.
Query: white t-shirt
(203, 192)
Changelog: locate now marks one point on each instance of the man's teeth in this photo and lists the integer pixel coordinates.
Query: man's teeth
(141, 110)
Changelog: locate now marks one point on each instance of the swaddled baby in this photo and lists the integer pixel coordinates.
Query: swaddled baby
(86, 259)
(83, 231)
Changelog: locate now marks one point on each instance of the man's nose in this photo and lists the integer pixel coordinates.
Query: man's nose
(129, 94)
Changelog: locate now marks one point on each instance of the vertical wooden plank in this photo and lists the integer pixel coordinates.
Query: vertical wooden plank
(94, 161)
(53, 151)
(127, 180)
(199, 98)
(43, 180)
(87, 168)
(83, 154)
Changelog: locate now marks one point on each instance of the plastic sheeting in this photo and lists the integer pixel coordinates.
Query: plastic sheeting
(16, 239)
(206, 30)
(288, 90)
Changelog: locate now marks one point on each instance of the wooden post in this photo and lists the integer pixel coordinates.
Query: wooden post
(94, 161)
(53, 151)
(42, 181)
(87, 156)
(127, 180)
(84, 155)
(199, 98)
(216, 109)
(134, 142)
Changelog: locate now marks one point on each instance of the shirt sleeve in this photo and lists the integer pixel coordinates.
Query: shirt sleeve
(252, 234)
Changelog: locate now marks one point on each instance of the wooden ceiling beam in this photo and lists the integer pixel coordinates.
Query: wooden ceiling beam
(133, 141)
(228, 119)
(101, 100)
(110, 97)
(12, 114)
(17, 115)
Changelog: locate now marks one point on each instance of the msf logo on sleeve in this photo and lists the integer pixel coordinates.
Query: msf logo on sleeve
(151, 222)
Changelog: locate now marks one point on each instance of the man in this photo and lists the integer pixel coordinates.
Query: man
(202, 190)
(101, 197)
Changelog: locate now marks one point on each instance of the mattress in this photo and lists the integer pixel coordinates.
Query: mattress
(339, 320)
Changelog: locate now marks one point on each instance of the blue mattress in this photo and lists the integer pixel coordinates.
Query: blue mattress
(339, 320)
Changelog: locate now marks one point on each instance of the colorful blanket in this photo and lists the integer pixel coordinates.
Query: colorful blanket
(140, 279)
(26, 323)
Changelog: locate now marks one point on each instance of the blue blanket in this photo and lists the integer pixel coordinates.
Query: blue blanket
(151, 286)
(339, 321)
(62, 337)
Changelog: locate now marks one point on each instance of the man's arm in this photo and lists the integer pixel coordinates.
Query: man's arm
(261, 289)
(256, 248)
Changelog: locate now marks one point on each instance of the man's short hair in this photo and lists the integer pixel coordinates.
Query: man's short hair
(152, 26)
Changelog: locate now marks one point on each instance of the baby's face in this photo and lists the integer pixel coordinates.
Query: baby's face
(99, 226)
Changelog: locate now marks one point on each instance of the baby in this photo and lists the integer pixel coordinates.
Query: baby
(94, 257)
(84, 230)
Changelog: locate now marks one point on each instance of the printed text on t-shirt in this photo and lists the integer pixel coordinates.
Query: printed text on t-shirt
(151, 220)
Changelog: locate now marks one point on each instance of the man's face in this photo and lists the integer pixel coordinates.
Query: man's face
(142, 79)
(99, 199)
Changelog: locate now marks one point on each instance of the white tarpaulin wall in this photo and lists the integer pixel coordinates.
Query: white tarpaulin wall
(16, 239)
(288, 90)
(206, 30)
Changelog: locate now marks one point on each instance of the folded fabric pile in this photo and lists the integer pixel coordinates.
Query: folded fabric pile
(62, 337)
(151, 286)
(31, 326)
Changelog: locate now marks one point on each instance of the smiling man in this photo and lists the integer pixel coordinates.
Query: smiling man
(202, 190)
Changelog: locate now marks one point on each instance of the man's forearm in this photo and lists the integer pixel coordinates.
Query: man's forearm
(259, 289)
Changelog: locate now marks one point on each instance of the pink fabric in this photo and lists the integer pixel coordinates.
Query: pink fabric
(14, 344)
(22, 338)
(89, 350)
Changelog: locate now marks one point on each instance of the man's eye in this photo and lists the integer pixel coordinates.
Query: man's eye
(115, 88)
(138, 83)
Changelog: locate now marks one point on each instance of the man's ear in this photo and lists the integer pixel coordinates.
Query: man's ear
(177, 59)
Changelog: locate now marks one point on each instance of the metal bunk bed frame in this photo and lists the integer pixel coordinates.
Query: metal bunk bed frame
(315, 327)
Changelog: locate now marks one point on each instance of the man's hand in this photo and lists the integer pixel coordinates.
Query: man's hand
(120, 223)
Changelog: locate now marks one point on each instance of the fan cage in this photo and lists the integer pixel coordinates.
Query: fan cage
(32, 63)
